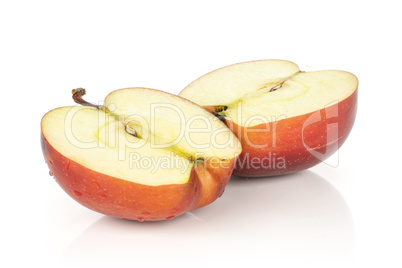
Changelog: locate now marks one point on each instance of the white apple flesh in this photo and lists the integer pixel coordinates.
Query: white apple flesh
(286, 120)
(146, 155)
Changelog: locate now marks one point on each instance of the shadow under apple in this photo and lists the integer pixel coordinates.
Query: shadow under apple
(299, 217)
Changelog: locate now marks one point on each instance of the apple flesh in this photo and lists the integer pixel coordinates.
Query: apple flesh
(141, 156)
(286, 120)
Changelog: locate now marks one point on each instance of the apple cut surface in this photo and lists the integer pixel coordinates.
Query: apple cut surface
(146, 155)
(287, 120)
(174, 124)
(229, 84)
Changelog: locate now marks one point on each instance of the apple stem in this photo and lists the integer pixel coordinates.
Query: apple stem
(77, 97)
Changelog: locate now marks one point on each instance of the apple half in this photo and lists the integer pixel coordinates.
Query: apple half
(287, 120)
(144, 155)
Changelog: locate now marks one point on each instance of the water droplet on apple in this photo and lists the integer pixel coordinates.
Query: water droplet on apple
(51, 173)
(146, 213)
(103, 196)
(175, 211)
(95, 185)
(170, 217)
(140, 219)
(67, 164)
(77, 193)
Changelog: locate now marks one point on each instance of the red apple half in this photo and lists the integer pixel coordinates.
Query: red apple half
(145, 155)
(287, 120)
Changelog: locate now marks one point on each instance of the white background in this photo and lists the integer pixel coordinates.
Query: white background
(346, 214)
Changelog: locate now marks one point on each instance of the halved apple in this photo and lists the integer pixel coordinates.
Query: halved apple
(145, 155)
(287, 120)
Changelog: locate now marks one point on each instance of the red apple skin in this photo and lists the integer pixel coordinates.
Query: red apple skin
(286, 139)
(128, 200)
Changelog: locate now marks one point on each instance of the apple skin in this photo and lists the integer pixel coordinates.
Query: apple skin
(290, 137)
(128, 200)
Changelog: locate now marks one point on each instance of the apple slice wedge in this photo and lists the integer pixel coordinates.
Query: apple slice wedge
(286, 120)
(145, 155)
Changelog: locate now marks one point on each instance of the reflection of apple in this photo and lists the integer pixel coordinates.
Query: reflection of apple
(293, 219)
(286, 120)
(146, 155)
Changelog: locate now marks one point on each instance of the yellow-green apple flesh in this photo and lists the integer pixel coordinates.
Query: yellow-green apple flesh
(144, 155)
(287, 120)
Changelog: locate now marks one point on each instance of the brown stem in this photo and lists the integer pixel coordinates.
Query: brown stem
(77, 97)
